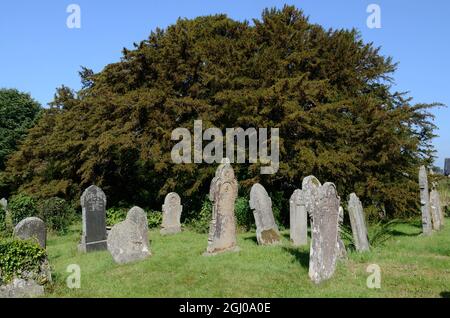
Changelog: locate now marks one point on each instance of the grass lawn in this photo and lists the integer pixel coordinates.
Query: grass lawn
(411, 266)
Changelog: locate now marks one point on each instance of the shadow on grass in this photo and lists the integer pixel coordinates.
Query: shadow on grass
(445, 294)
(300, 256)
(286, 236)
(401, 233)
(252, 238)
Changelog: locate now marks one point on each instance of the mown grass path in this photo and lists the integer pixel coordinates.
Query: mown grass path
(411, 266)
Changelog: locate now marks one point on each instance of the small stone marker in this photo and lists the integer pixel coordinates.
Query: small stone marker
(128, 240)
(266, 229)
(223, 194)
(32, 229)
(358, 223)
(172, 209)
(425, 201)
(325, 233)
(93, 204)
(4, 204)
(436, 210)
(298, 219)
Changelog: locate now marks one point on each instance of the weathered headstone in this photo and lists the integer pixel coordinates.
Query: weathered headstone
(93, 204)
(172, 209)
(4, 204)
(223, 193)
(436, 210)
(358, 223)
(32, 228)
(342, 251)
(266, 229)
(425, 201)
(325, 233)
(298, 219)
(128, 240)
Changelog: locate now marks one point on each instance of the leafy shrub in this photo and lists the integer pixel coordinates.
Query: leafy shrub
(244, 215)
(201, 223)
(21, 207)
(154, 219)
(17, 257)
(57, 214)
(115, 215)
(2, 220)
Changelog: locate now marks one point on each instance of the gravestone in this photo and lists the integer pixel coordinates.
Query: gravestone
(324, 234)
(3, 204)
(447, 167)
(172, 209)
(310, 187)
(342, 252)
(298, 219)
(223, 193)
(436, 210)
(425, 201)
(266, 229)
(128, 240)
(358, 223)
(32, 229)
(93, 204)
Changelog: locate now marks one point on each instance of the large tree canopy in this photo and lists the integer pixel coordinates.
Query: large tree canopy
(18, 112)
(327, 91)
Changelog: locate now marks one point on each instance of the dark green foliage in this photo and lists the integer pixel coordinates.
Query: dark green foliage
(17, 256)
(154, 219)
(244, 215)
(115, 215)
(22, 206)
(18, 112)
(2, 220)
(328, 92)
(202, 220)
(57, 214)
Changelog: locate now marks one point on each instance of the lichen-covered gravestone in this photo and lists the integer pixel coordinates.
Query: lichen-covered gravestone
(266, 229)
(32, 228)
(436, 210)
(4, 204)
(325, 233)
(425, 201)
(172, 209)
(128, 240)
(222, 229)
(358, 223)
(298, 219)
(93, 204)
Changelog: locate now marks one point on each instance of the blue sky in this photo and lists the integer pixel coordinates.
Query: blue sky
(39, 53)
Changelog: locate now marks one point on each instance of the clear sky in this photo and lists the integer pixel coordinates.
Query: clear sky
(38, 52)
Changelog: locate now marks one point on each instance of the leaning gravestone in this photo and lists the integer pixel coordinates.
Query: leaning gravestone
(93, 204)
(32, 229)
(425, 201)
(358, 223)
(266, 229)
(128, 240)
(223, 193)
(325, 233)
(172, 209)
(298, 219)
(436, 210)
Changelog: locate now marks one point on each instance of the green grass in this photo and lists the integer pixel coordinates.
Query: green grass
(411, 266)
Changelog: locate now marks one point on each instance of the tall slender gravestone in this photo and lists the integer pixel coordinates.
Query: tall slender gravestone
(266, 229)
(93, 204)
(358, 223)
(325, 233)
(425, 201)
(223, 193)
(172, 209)
(342, 252)
(436, 210)
(298, 219)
